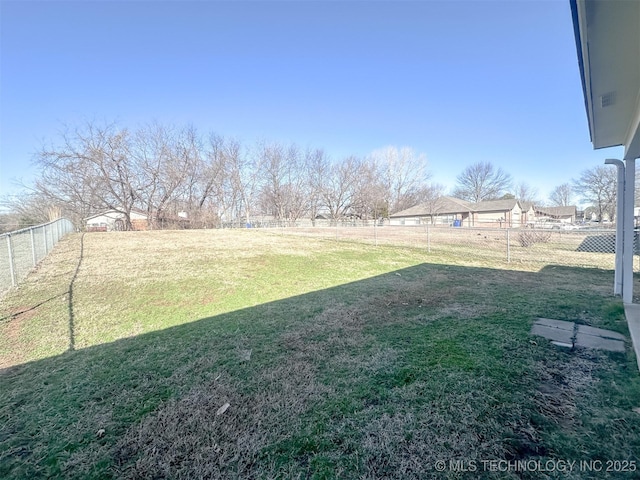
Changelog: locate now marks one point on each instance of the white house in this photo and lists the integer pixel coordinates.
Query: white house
(113, 220)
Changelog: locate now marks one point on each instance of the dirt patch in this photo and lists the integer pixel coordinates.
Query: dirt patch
(22, 314)
(11, 330)
(561, 384)
(197, 437)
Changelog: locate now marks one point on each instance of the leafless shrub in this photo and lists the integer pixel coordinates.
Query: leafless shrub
(528, 238)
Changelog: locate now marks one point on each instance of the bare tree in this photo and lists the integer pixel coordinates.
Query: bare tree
(430, 196)
(597, 186)
(370, 199)
(167, 162)
(284, 192)
(26, 209)
(207, 198)
(402, 173)
(562, 195)
(316, 171)
(526, 193)
(481, 181)
(243, 183)
(70, 183)
(167, 170)
(340, 189)
(90, 169)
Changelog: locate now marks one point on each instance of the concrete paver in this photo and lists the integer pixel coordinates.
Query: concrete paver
(568, 334)
(587, 330)
(601, 343)
(561, 335)
(632, 312)
(561, 324)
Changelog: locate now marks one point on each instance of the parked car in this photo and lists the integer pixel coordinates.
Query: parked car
(548, 224)
(569, 226)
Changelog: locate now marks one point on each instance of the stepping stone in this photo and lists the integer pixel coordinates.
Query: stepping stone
(568, 334)
(601, 343)
(592, 337)
(560, 333)
(561, 324)
(599, 332)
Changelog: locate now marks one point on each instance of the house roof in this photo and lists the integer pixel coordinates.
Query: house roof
(608, 47)
(420, 209)
(442, 206)
(112, 211)
(452, 205)
(495, 205)
(527, 205)
(557, 211)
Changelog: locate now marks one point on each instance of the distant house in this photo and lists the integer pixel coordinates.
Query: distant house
(454, 211)
(564, 214)
(497, 213)
(443, 211)
(113, 220)
(528, 213)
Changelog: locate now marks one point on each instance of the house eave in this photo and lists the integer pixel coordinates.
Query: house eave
(608, 48)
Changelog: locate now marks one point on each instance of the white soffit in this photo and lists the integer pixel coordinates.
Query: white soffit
(610, 42)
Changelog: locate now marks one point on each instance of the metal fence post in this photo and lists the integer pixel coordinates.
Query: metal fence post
(12, 267)
(46, 240)
(508, 246)
(33, 247)
(375, 230)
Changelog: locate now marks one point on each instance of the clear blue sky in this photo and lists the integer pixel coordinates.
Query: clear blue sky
(460, 81)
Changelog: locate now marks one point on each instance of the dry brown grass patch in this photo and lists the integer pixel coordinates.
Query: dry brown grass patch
(189, 438)
(561, 383)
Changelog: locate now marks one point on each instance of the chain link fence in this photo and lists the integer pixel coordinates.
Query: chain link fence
(22, 250)
(485, 246)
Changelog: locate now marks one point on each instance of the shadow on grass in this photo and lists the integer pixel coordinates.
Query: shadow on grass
(70, 306)
(378, 378)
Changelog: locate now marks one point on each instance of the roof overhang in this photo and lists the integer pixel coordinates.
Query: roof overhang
(608, 43)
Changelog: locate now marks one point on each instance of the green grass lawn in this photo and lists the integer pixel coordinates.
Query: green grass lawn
(336, 360)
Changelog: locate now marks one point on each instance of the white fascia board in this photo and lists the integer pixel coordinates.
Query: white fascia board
(632, 138)
(584, 46)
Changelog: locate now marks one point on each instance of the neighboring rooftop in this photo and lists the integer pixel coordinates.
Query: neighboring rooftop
(494, 205)
(558, 211)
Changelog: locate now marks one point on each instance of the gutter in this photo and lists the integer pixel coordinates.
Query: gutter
(575, 16)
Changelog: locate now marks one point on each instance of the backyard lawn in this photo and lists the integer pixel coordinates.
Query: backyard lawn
(251, 354)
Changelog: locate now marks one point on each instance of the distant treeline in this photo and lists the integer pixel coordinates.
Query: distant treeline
(164, 171)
